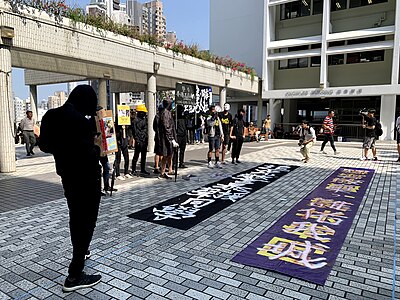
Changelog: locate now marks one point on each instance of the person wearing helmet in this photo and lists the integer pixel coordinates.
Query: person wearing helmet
(140, 135)
(226, 120)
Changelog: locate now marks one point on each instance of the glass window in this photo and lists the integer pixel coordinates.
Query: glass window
(338, 5)
(295, 9)
(364, 57)
(337, 59)
(294, 63)
(358, 3)
(318, 7)
(316, 60)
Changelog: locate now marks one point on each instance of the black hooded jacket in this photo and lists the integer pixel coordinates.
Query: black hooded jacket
(68, 134)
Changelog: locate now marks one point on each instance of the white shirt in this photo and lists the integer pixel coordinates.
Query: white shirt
(27, 124)
(308, 134)
(398, 124)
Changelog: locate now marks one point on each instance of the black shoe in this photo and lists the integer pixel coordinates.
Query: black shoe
(238, 161)
(84, 281)
(109, 189)
(233, 162)
(88, 255)
(182, 166)
(375, 158)
(156, 171)
(103, 194)
(32, 152)
(144, 173)
(28, 154)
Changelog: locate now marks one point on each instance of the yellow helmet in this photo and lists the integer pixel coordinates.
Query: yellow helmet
(141, 107)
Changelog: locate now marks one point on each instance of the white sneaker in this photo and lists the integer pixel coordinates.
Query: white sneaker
(363, 158)
(218, 165)
(322, 152)
(121, 178)
(227, 152)
(210, 165)
(335, 153)
(128, 176)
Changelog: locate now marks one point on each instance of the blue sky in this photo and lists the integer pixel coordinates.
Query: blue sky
(188, 18)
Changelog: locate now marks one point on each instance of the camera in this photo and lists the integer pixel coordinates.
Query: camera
(300, 143)
(363, 111)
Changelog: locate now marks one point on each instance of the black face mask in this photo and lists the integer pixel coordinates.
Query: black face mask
(141, 114)
(240, 116)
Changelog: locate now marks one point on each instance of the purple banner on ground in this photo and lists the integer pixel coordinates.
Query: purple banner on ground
(305, 242)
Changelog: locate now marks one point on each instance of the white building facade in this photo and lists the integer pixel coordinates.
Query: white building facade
(319, 55)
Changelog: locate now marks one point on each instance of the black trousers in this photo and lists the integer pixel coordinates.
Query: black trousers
(125, 153)
(182, 148)
(83, 198)
(328, 138)
(140, 149)
(236, 147)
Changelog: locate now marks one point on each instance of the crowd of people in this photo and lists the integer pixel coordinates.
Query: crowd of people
(68, 133)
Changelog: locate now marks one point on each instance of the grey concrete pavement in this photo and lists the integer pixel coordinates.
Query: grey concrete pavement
(140, 260)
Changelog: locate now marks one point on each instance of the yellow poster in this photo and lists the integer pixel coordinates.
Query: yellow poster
(124, 116)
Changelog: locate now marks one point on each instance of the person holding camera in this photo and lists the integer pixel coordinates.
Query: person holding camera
(369, 123)
(307, 139)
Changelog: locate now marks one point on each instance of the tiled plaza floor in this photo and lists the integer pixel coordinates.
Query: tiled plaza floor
(140, 260)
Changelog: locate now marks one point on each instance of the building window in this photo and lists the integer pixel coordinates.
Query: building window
(337, 59)
(367, 56)
(318, 7)
(316, 60)
(338, 5)
(295, 9)
(294, 63)
(358, 3)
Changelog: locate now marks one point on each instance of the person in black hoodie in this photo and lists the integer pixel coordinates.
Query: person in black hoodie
(123, 144)
(237, 136)
(67, 133)
(181, 132)
(141, 138)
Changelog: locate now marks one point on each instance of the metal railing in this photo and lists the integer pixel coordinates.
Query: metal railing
(348, 132)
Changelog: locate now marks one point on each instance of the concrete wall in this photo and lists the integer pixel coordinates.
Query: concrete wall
(77, 49)
(373, 73)
(236, 29)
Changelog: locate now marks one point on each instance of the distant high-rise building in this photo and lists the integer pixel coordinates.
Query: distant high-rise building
(134, 9)
(19, 109)
(171, 37)
(103, 7)
(157, 24)
(57, 100)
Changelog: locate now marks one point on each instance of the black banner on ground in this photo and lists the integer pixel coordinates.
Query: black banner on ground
(191, 208)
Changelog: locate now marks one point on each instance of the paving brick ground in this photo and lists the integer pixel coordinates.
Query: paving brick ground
(140, 260)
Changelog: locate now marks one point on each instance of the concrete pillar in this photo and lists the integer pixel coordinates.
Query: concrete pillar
(7, 132)
(222, 97)
(289, 116)
(151, 108)
(275, 112)
(326, 24)
(117, 101)
(259, 111)
(33, 99)
(388, 116)
(396, 48)
(103, 93)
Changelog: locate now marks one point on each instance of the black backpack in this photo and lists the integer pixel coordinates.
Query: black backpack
(378, 128)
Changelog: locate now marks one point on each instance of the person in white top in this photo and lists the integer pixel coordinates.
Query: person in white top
(27, 125)
(307, 140)
(398, 136)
